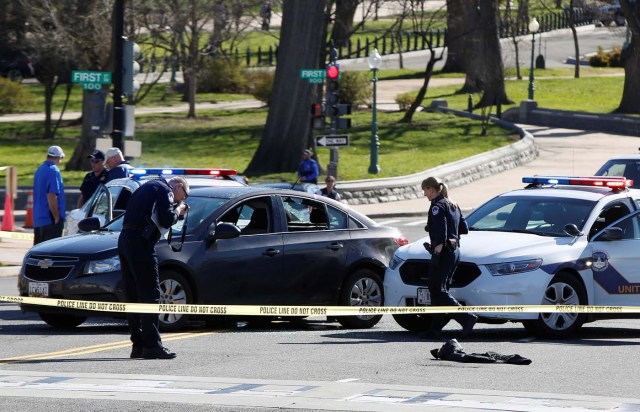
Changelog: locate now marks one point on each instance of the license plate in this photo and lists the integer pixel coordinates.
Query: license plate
(38, 289)
(424, 297)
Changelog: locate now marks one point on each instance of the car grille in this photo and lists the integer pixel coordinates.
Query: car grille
(416, 273)
(48, 268)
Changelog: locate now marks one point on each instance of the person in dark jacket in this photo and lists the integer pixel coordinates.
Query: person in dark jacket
(93, 179)
(154, 206)
(445, 225)
(330, 190)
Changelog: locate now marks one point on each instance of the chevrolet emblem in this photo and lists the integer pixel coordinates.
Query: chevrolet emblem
(45, 263)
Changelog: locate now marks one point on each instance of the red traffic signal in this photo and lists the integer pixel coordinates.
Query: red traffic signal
(333, 72)
(317, 109)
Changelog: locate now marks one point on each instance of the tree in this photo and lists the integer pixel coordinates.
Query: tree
(630, 102)
(343, 22)
(287, 132)
(455, 62)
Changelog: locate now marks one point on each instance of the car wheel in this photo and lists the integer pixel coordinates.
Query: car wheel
(564, 289)
(414, 323)
(15, 75)
(174, 289)
(362, 288)
(62, 321)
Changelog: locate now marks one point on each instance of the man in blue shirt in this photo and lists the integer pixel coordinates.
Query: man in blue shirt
(308, 171)
(49, 204)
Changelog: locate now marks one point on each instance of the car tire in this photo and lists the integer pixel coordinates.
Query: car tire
(414, 323)
(15, 75)
(174, 289)
(60, 321)
(564, 289)
(362, 288)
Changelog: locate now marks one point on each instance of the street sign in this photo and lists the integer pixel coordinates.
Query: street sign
(332, 140)
(313, 75)
(90, 80)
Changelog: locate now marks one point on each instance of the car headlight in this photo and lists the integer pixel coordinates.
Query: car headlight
(511, 268)
(111, 264)
(395, 262)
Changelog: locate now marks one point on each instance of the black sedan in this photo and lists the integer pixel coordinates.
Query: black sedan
(238, 245)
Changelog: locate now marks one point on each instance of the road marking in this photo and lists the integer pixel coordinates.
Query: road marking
(388, 222)
(85, 350)
(417, 223)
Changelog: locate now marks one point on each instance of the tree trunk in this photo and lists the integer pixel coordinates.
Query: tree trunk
(630, 102)
(49, 89)
(288, 122)
(455, 38)
(343, 24)
(94, 105)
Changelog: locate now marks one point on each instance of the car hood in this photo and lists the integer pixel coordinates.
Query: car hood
(85, 244)
(482, 247)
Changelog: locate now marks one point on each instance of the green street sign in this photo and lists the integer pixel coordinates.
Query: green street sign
(313, 75)
(90, 80)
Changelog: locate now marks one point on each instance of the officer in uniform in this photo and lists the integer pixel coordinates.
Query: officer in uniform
(93, 179)
(445, 225)
(154, 205)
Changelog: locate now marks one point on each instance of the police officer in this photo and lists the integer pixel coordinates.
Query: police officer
(93, 179)
(155, 205)
(445, 225)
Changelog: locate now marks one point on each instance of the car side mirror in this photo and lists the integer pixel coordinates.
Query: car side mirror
(223, 230)
(89, 224)
(572, 230)
(611, 233)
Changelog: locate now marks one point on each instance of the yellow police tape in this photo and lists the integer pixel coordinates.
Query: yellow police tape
(16, 235)
(264, 310)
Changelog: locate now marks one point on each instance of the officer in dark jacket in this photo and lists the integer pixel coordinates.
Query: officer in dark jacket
(93, 179)
(445, 226)
(155, 205)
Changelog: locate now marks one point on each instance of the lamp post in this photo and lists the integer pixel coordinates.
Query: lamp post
(374, 61)
(533, 29)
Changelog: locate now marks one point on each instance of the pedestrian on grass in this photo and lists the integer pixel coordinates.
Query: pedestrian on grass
(93, 179)
(154, 206)
(115, 164)
(445, 225)
(49, 205)
(330, 190)
(308, 171)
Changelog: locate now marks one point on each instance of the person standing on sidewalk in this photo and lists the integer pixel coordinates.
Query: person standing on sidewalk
(308, 171)
(115, 164)
(445, 225)
(93, 179)
(49, 206)
(154, 206)
(330, 191)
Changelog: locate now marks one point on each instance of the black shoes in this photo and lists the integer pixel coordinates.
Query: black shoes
(467, 324)
(136, 352)
(157, 353)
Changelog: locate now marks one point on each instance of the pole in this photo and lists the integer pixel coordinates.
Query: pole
(118, 49)
(531, 76)
(374, 168)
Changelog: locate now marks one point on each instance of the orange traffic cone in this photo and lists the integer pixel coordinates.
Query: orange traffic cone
(7, 218)
(28, 221)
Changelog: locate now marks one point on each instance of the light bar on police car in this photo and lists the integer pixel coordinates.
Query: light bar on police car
(613, 182)
(140, 172)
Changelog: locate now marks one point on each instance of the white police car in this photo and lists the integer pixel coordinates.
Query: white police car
(558, 241)
(110, 200)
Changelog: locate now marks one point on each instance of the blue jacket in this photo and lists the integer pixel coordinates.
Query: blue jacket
(47, 179)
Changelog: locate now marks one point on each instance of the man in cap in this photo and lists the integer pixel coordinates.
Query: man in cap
(93, 179)
(49, 204)
(115, 164)
(308, 171)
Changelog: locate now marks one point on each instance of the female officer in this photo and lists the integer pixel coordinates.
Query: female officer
(445, 226)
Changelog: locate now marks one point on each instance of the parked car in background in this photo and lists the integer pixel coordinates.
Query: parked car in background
(241, 246)
(110, 199)
(299, 186)
(627, 166)
(16, 65)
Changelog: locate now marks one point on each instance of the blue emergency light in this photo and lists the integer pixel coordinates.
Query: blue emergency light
(613, 182)
(141, 172)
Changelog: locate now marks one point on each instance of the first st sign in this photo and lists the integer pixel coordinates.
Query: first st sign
(91, 80)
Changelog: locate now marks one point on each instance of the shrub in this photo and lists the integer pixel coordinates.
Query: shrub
(405, 100)
(355, 88)
(260, 84)
(601, 59)
(221, 76)
(13, 96)
(615, 58)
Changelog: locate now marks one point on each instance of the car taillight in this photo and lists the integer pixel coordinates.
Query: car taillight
(402, 240)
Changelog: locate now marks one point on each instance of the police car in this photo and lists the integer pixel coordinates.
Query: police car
(558, 241)
(110, 199)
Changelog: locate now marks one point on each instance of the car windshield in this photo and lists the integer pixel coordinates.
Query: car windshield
(629, 168)
(545, 216)
(200, 208)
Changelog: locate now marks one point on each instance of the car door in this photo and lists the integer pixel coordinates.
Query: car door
(246, 270)
(316, 245)
(616, 264)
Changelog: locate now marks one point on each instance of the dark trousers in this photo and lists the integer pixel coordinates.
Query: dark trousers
(142, 283)
(440, 275)
(48, 232)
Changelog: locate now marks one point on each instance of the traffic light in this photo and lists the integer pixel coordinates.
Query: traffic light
(317, 116)
(130, 52)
